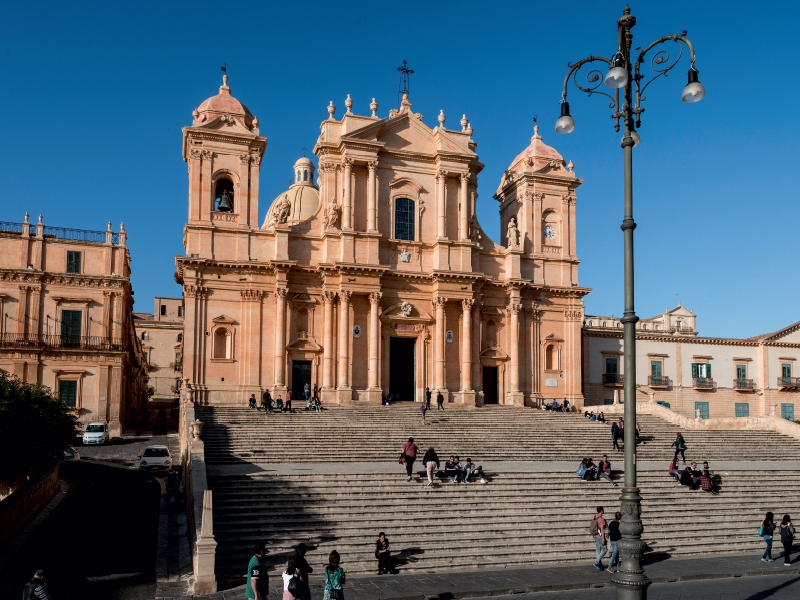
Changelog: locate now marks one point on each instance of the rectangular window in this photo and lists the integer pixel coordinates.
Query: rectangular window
(73, 261)
(608, 401)
(786, 370)
(787, 411)
(741, 372)
(70, 328)
(655, 369)
(163, 310)
(611, 366)
(180, 311)
(404, 219)
(68, 392)
(742, 409)
(145, 336)
(701, 371)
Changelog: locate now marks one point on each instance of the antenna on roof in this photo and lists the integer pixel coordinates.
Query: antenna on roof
(224, 67)
(535, 119)
(402, 87)
(304, 149)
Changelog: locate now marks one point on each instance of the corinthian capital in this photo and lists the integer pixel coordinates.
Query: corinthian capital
(439, 301)
(375, 297)
(344, 295)
(280, 293)
(467, 303)
(372, 165)
(348, 162)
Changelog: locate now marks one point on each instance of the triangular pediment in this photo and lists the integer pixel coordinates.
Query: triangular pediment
(790, 334)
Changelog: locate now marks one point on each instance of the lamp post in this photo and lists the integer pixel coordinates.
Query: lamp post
(624, 75)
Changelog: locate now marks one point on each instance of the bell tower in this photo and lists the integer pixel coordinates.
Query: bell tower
(223, 149)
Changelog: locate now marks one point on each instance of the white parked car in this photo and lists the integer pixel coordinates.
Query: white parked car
(96, 433)
(71, 454)
(155, 458)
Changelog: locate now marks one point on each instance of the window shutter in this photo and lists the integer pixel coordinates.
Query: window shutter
(73, 261)
(695, 370)
(786, 370)
(708, 370)
(67, 392)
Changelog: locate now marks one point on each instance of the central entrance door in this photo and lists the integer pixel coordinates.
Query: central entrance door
(490, 385)
(402, 368)
(301, 375)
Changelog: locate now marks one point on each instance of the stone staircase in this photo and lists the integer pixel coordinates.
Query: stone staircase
(518, 519)
(377, 434)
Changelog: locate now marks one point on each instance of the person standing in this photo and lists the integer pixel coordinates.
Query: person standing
(613, 537)
(680, 446)
(598, 531)
(439, 401)
(423, 409)
(302, 566)
(290, 573)
(787, 539)
(316, 392)
(257, 579)
(616, 434)
(431, 461)
(428, 395)
(767, 529)
(36, 588)
(334, 578)
(307, 391)
(266, 401)
(383, 554)
(410, 455)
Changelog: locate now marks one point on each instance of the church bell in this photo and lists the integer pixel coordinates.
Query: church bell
(225, 203)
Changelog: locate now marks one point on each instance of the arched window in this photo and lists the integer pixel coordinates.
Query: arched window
(404, 219)
(618, 325)
(604, 323)
(223, 187)
(305, 174)
(644, 325)
(550, 228)
(550, 358)
(590, 323)
(221, 338)
(180, 337)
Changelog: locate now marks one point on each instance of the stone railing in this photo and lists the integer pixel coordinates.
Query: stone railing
(765, 423)
(199, 503)
(25, 502)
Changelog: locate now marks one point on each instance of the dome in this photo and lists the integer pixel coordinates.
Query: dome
(223, 104)
(303, 196)
(536, 155)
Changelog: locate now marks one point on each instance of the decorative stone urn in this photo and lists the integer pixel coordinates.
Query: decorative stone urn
(197, 428)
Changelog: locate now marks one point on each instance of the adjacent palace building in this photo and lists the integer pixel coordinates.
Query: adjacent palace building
(374, 276)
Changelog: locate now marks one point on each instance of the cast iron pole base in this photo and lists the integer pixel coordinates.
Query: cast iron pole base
(631, 581)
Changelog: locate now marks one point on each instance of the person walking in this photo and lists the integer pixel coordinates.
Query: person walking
(36, 588)
(257, 586)
(301, 564)
(409, 455)
(439, 401)
(334, 578)
(680, 446)
(290, 588)
(767, 529)
(383, 554)
(266, 401)
(616, 434)
(598, 531)
(423, 409)
(431, 461)
(613, 537)
(787, 539)
(428, 395)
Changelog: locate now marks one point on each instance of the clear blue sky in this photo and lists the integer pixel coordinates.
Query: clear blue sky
(94, 96)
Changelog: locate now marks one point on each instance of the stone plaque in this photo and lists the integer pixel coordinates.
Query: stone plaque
(403, 327)
(552, 383)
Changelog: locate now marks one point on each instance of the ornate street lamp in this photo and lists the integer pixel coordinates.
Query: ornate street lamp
(625, 76)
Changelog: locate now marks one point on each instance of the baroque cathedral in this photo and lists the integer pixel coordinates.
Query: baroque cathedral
(371, 275)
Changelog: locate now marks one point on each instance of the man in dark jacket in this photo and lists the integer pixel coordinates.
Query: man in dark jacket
(305, 569)
(36, 588)
(439, 401)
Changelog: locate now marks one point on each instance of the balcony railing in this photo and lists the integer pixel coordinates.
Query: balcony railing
(744, 385)
(659, 381)
(28, 340)
(8, 227)
(613, 379)
(704, 383)
(63, 233)
(789, 382)
(176, 366)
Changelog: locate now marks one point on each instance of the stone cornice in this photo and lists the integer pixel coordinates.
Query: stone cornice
(680, 339)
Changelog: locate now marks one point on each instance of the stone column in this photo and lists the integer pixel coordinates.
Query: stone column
(36, 303)
(22, 311)
(328, 298)
(441, 205)
(346, 200)
(280, 337)
(372, 196)
(374, 301)
(463, 222)
(466, 344)
(515, 396)
(439, 302)
(205, 201)
(117, 323)
(344, 340)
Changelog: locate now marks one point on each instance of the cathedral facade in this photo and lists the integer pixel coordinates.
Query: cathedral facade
(371, 274)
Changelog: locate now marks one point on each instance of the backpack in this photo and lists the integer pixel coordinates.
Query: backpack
(294, 587)
(594, 529)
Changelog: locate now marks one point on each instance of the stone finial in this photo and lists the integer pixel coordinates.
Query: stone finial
(122, 227)
(374, 107)
(331, 110)
(26, 218)
(441, 118)
(40, 219)
(225, 81)
(469, 129)
(195, 114)
(255, 121)
(570, 166)
(536, 135)
(405, 104)
(108, 227)
(348, 104)
(464, 123)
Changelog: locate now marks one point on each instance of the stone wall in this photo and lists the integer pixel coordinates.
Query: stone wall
(25, 502)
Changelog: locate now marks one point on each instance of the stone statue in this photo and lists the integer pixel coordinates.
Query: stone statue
(332, 214)
(284, 209)
(474, 230)
(406, 308)
(512, 234)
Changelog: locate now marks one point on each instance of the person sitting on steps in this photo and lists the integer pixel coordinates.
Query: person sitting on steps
(452, 470)
(604, 470)
(470, 469)
(252, 402)
(674, 471)
(280, 403)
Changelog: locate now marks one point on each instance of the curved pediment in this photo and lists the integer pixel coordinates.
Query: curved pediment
(223, 319)
(407, 311)
(304, 344)
(495, 353)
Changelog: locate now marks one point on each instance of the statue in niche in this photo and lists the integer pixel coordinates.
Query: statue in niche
(284, 209)
(474, 230)
(331, 214)
(512, 234)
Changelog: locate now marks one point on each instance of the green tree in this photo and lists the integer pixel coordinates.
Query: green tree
(35, 429)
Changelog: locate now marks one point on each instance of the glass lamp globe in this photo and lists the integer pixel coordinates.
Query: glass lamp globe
(694, 90)
(636, 139)
(565, 123)
(616, 77)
